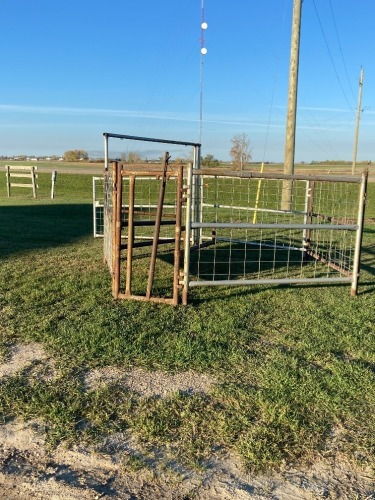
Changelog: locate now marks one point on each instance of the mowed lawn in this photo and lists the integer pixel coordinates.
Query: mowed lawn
(294, 366)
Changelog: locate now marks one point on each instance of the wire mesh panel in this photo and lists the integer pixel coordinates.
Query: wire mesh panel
(240, 228)
(108, 218)
(245, 236)
(98, 206)
(146, 193)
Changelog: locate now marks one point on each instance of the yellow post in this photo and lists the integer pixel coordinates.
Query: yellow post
(258, 195)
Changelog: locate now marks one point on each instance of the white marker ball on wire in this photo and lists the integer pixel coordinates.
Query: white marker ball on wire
(204, 26)
(203, 51)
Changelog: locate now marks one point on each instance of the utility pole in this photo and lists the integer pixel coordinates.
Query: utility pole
(292, 105)
(357, 121)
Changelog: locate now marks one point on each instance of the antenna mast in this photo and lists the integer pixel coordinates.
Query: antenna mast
(203, 53)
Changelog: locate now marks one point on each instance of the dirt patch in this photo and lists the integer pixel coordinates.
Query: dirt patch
(146, 383)
(121, 467)
(29, 470)
(23, 356)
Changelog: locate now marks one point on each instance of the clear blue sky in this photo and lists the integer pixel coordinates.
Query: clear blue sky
(73, 69)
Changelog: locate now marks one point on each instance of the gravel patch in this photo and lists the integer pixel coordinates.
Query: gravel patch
(150, 383)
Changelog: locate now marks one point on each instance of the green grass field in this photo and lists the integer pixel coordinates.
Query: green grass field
(295, 366)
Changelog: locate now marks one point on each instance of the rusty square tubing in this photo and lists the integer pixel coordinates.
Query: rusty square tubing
(129, 253)
(159, 212)
(177, 247)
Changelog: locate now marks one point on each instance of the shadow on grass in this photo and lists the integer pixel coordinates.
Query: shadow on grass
(237, 261)
(42, 226)
(231, 263)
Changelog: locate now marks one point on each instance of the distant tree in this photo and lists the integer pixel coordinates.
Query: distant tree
(240, 150)
(189, 155)
(134, 157)
(178, 160)
(209, 161)
(76, 155)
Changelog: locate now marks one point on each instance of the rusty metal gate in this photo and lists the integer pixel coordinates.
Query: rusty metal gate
(232, 228)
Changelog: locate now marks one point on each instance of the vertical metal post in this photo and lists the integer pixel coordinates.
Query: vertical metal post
(177, 247)
(159, 212)
(94, 206)
(197, 196)
(188, 218)
(105, 152)
(193, 197)
(116, 227)
(129, 255)
(359, 234)
(200, 201)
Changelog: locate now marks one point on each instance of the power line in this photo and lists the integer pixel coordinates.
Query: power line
(332, 61)
(341, 52)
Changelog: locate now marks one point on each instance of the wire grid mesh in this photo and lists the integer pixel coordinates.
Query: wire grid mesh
(146, 196)
(146, 193)
(255, 252)
(98, 206)
(108, 218)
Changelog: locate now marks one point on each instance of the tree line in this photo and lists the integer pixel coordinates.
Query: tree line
(240, 153)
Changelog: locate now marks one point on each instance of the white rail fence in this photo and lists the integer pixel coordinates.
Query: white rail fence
(21, 172)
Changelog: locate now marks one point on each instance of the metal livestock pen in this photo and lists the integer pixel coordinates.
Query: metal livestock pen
(231, 227)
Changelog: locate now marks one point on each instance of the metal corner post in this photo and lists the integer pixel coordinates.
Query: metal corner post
(196, 195)
(188, 194)
(105, 152)
(178, 229)
(117, 206)
(359, 234)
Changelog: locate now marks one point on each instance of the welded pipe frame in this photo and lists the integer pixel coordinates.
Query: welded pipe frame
(108, 135)
(353, 278)
(188, 198)
(194, 224)
(269, 281)
(249, 225)
(355, 179)
(359, 235)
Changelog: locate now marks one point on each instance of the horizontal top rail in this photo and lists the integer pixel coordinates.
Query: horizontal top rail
(269, 281)
(30, 175)
(19, 167)
(149, 139)
(214, 172)
(248, 225)
(150, 173)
